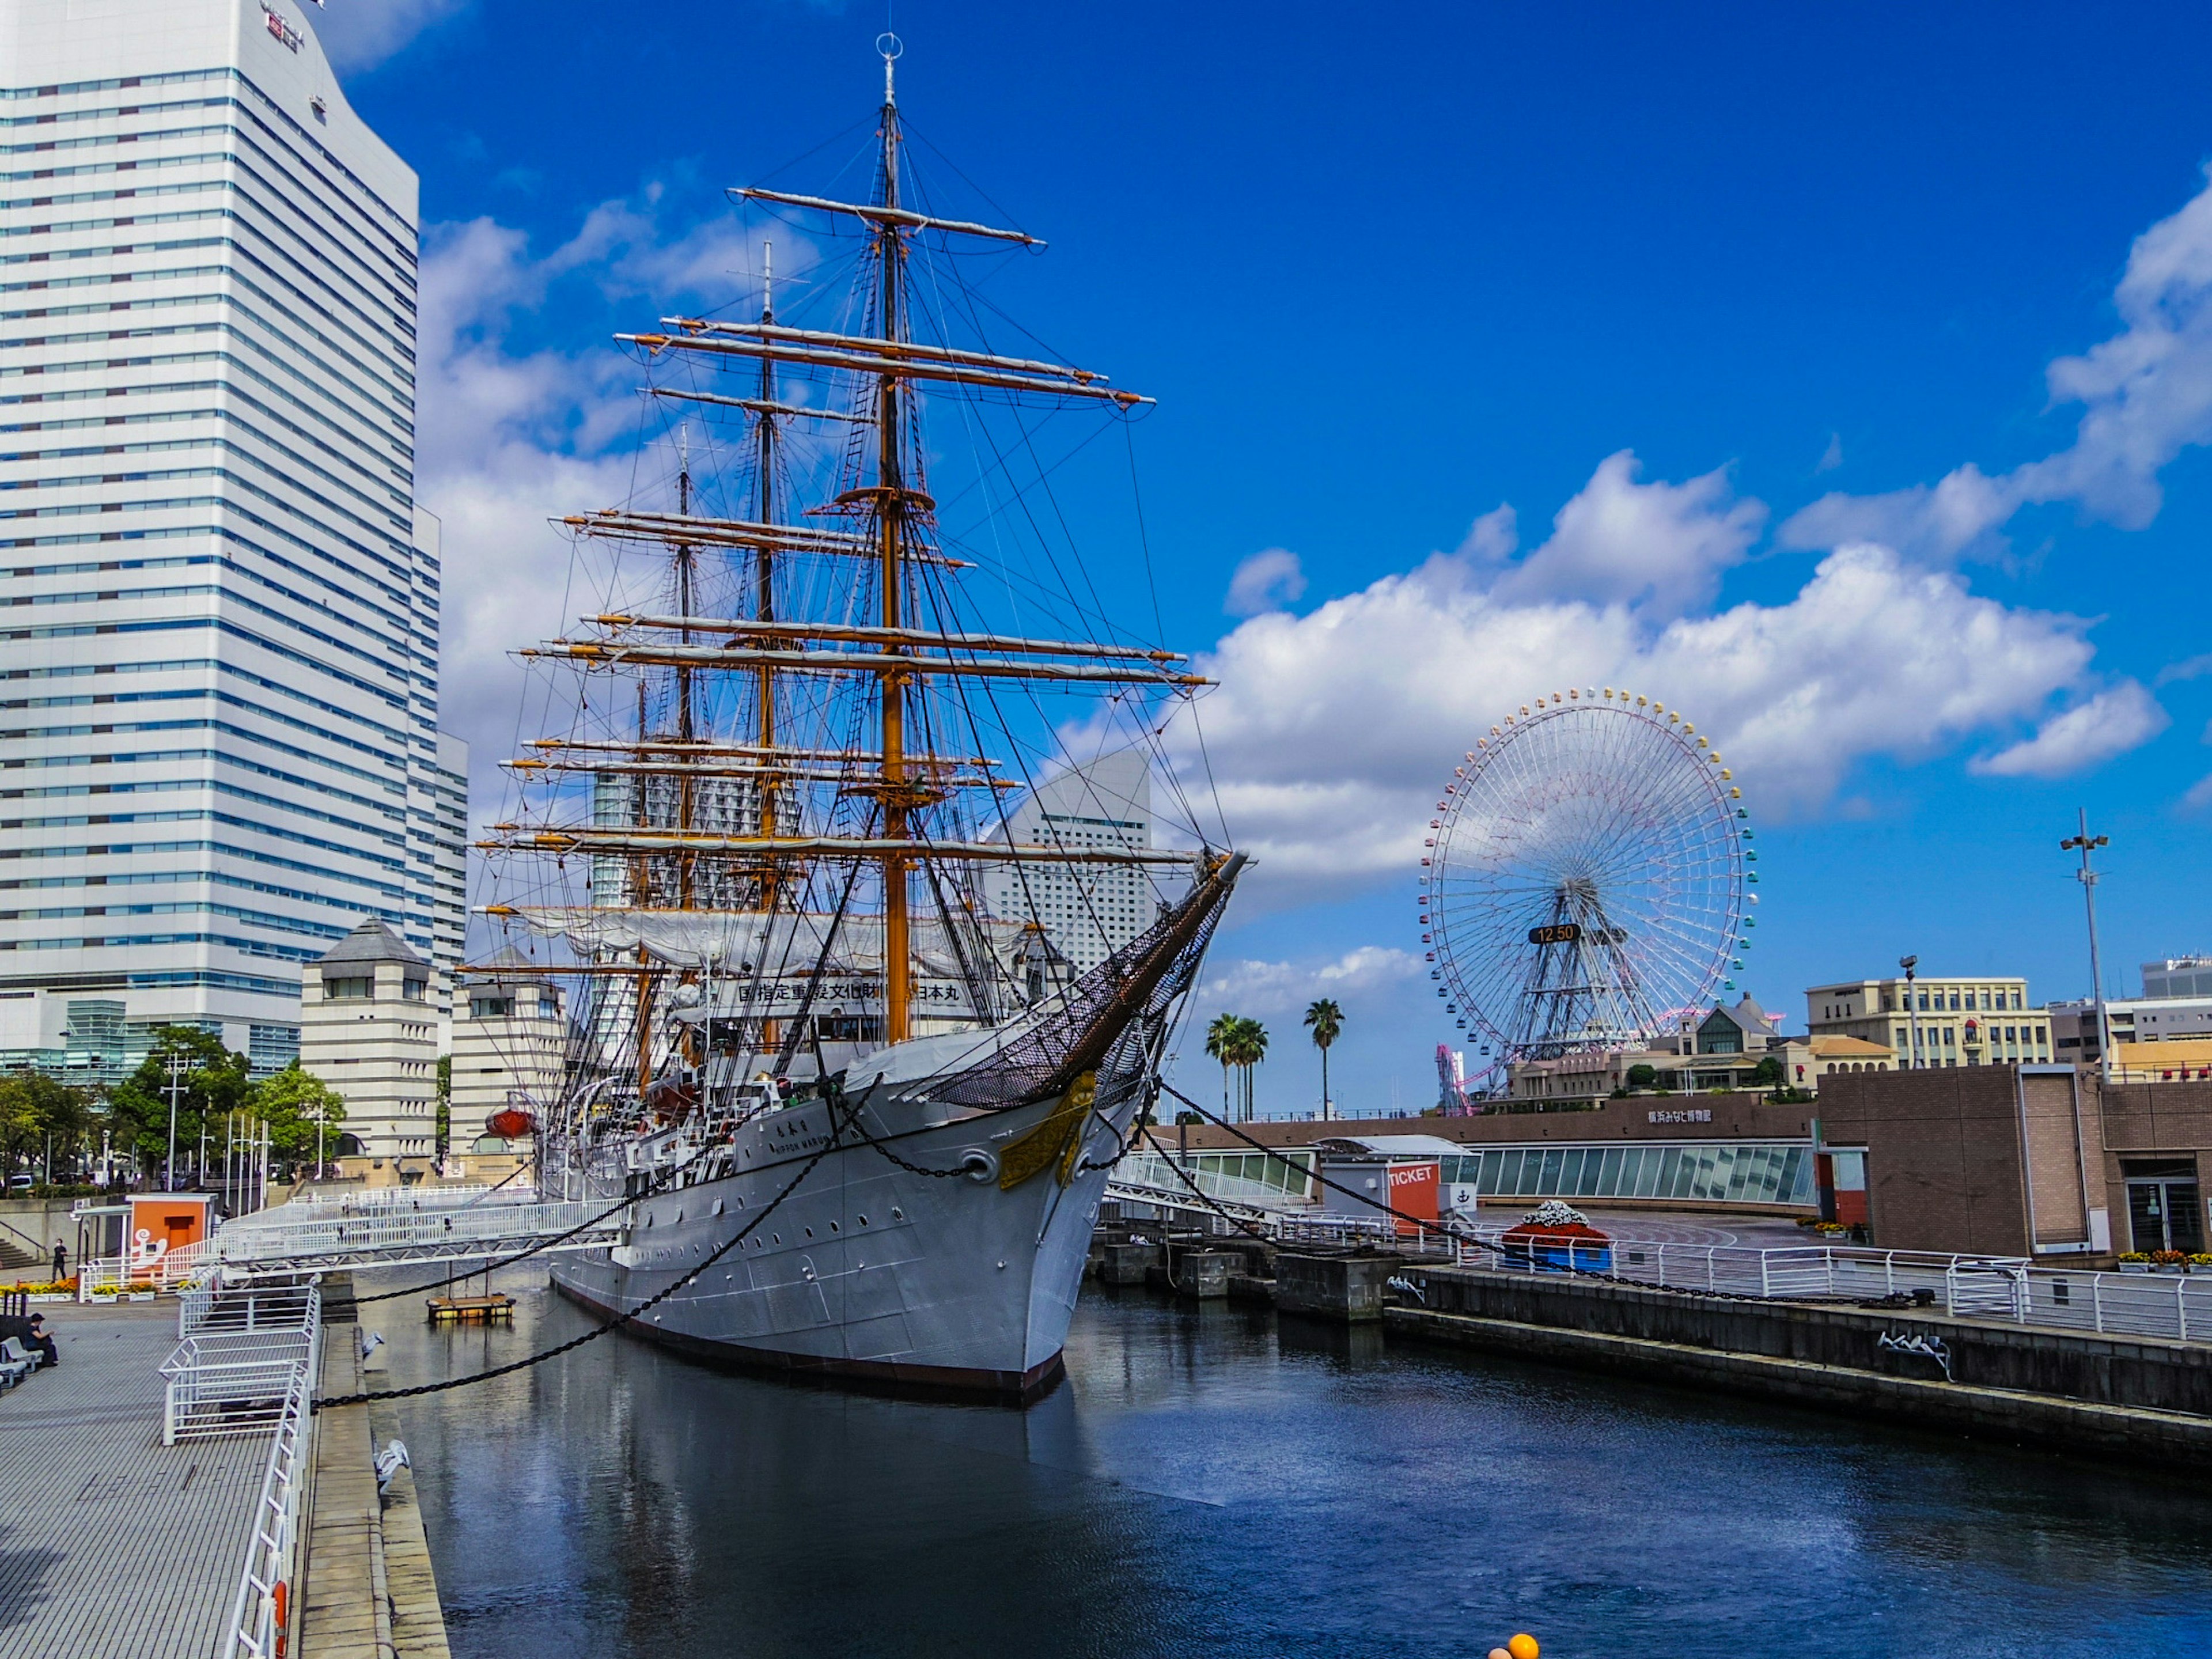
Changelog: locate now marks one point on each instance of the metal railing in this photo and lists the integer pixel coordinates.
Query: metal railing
(260, 1608)
(302, 1236)
(171, 1270)
(367, 1201)
(2173, 1307)
(235, 1367)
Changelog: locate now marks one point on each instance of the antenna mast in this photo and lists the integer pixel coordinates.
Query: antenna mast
(891, 506)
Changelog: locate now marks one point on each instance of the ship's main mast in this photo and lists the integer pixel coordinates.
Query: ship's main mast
(890, 508)
(764, 860)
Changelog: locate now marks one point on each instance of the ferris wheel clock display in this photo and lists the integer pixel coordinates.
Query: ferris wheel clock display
(1588, 881)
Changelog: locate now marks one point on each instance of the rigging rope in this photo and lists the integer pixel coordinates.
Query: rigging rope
(720, 1250)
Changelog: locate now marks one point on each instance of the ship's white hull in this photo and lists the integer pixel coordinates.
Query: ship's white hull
(866, 1270)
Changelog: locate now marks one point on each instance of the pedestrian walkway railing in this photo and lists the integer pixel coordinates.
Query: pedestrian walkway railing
(2176, 1307)
(370, 1201)
(169, 1272)
(233, 1372)
(247, 1308)
(259, 1611)
(303, 1236)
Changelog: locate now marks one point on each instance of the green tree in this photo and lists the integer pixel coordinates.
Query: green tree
(291, 1103)
(1246, 1047)
(39, 1114)
(1326, 1021)
(213, 1083)
(1768, 1073)
(1220, 1037)
(1643, 1076)
(444, 1130)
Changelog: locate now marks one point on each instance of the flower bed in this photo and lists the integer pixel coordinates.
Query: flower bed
(1557, 1237)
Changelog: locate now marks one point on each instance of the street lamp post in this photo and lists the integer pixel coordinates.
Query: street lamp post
(2086, 843)
(176, 1087)
(1910, 964)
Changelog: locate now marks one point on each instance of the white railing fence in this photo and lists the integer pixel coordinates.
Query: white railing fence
(259, 1610)
(2175, 1307)
(233, 1372)
(302, 1232)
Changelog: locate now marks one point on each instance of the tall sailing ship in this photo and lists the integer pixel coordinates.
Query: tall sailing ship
(826, 1032)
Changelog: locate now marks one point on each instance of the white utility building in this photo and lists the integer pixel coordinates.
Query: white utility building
(1088, 911)
(219, 670)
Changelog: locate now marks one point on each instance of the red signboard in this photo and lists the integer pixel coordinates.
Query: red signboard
(1414, 1194)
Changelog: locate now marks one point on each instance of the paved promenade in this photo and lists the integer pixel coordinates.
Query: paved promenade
(112, 1545)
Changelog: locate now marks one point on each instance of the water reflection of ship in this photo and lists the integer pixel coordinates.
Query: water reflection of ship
(872, 984)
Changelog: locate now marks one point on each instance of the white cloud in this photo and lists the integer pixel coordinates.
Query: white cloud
(1267, 581)
(511, 436)
(359, 35)
(2199, 796)
(2111, 723)
(2146, 394)
(1833, 456)
(1330, 733)
(1279, 990)
(1492, 538)
(1660, 546)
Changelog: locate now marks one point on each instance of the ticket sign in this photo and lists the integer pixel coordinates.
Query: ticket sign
(1413, 1189)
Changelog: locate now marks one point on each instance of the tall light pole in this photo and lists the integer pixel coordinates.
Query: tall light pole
(1910, 964)
(176, 1087)
(2087, 843)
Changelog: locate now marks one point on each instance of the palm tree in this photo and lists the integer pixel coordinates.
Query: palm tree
(1248, 1047)
(1220, 1039)
(1326, 1020)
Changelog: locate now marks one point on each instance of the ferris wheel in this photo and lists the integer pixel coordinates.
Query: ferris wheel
(1588, 881)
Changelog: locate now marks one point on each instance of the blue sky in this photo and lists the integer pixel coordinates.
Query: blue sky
(1673, 278)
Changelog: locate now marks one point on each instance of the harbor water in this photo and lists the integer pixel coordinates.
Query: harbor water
(1210, 1480)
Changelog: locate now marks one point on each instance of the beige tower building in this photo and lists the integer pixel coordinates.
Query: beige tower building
(510, 1045)
(368, 1027)
(1983, 1020)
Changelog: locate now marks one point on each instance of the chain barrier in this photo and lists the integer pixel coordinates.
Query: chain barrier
(836, 1137)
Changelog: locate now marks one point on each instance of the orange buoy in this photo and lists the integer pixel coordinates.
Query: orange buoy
(1523, 1646)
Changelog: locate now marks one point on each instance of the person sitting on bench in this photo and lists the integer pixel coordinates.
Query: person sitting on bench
(32, 1333)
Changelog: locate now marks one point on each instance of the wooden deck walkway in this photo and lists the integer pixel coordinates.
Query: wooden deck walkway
(112, 1545)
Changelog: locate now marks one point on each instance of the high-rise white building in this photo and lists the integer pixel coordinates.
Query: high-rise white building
(1088, 911)
(219, 670)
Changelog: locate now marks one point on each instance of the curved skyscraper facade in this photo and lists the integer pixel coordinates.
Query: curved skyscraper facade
(218, 662)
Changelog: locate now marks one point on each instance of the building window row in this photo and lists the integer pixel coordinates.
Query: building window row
(293, 837)
(212, 754)
(206, 664)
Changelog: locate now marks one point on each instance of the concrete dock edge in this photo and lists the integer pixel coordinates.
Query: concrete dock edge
(367, 1587)
(2135, 1434)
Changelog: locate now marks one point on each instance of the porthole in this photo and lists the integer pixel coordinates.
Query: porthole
(778, 1237)
(864, 1221)
(897, 1215)
(810, 1232)
(833, 1226)
(718, 1206)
